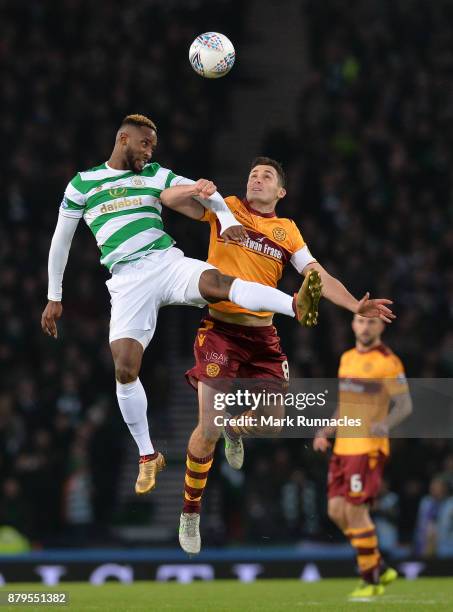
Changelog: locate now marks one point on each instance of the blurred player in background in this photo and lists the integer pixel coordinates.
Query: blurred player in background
(371, 378)
(120, 202)
(234, 341)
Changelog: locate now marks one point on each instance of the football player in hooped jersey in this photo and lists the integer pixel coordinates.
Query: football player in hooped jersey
(371, 377)
(120, 201)
(236, 341)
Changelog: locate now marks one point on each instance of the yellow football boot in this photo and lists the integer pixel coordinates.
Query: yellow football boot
(306, 301)
(389, 576)
(366, 590)
(146, 480)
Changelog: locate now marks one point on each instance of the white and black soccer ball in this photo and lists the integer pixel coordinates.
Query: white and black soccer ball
(212, 55)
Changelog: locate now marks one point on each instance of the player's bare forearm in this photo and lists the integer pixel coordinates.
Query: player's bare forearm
(336, 292)
(401, 409)
(180, 199)
(333, 290)
(321, 440)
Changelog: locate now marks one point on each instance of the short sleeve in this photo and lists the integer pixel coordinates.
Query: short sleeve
(297, 242)
(396, 382)
(174, 179)
(74, 201)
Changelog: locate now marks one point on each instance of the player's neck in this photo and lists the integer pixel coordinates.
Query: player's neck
(117, 161)
(365, 348)
(262, 207)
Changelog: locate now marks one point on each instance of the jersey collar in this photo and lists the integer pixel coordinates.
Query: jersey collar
(114, 169)
(257, 212)
(380, 347)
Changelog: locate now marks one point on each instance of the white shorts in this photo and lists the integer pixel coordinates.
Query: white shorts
(138, 289)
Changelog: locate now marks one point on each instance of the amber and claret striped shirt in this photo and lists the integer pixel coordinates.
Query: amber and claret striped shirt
(271, 244)
(368, 380)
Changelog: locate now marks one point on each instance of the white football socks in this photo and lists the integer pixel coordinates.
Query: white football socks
(133, 405)
(259, 298)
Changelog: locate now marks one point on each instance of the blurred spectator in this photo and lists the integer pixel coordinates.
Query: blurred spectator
(426, 531)
(385, 514)
(447, 473)
(445, 528)
(77, 501)
(14, 510)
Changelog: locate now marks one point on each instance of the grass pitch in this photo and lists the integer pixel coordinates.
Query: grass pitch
(419, 595)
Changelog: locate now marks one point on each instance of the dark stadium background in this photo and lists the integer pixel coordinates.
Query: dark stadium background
(355, 99)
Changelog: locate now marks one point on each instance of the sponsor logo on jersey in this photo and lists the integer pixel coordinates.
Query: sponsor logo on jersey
(117, 192)
(356, 385)
(138, 181)
(212, 370)
(261, 245)
(64, 203)
(120, 204)
(279, 233)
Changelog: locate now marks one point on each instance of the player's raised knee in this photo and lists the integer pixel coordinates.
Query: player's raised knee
(126, 371)
(215, 286)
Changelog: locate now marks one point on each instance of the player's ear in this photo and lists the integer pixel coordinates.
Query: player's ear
(281, 193)
(123, 138)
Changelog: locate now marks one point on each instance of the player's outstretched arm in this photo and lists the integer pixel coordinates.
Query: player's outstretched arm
(58, 257)
(182, 198)
(336, 292)
(401, 409)
(190, 198)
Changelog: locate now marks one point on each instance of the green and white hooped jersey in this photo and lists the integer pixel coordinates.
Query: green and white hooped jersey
(122, 209)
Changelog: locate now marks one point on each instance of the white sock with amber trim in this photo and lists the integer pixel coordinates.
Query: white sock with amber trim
(133, 405)
(257, 297)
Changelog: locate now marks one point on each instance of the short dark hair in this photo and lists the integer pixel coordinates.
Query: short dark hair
(139, 121)
(268, 161)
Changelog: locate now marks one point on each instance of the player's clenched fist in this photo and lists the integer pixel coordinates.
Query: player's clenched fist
(52, 312)
(204, 188)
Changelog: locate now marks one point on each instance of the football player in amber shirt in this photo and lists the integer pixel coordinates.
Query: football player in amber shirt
(235, 342)
(371, 379)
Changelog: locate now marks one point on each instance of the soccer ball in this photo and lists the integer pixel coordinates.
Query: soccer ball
(212, 55)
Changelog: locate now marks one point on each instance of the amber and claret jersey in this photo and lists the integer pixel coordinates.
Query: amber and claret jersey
(271, 244)
(368, 380)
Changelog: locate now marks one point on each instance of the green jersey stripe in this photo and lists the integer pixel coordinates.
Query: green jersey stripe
(68, 204)
(96, 225)
(162, 243)
(126, 232)
(170, 177)
(133, 245)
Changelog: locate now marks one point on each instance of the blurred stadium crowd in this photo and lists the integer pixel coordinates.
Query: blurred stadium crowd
(369, 185)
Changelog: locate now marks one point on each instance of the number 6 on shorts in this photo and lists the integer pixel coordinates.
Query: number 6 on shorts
(356, 485)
